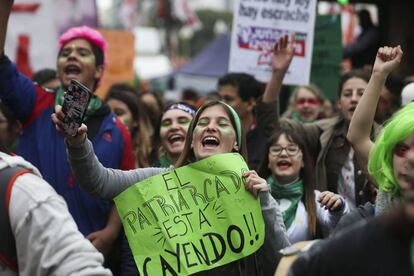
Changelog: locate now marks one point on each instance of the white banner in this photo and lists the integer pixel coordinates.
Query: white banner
(34, 28)
(258, 24)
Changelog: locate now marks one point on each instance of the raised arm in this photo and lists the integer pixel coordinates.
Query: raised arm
(16, 90)
(94, 178)
(98, 180)
(387, 59)
(267, 109)
(281, 59)
(267, 113)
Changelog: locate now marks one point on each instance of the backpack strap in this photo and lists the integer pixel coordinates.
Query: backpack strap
(8, 255)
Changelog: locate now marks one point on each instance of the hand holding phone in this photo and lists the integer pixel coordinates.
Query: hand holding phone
(74, 106)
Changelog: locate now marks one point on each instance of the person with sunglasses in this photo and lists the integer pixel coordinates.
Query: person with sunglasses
(287, 166)
(305, 104)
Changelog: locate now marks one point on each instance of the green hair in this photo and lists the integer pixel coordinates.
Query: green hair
(380, 163)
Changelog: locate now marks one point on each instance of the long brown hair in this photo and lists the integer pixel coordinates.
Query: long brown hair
(187, 156)
(142, 134)
(306, 173)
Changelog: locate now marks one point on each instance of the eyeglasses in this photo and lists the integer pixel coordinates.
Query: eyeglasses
(302, 101)
(401, 149)
(291, 150)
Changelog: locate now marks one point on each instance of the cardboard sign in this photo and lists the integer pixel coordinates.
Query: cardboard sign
(258, 24)
(193, 218)
(120, 59)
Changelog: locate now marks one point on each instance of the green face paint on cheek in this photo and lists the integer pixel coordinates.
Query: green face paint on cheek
(62, 59)
(228, 130)
(196, 129)
(127, 121)
(89, 59)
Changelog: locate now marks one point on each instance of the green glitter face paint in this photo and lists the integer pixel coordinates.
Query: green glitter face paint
(83, 54)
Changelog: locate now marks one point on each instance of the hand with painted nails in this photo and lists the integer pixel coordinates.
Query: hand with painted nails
(254, 183)
(330, 201)
(80, 137)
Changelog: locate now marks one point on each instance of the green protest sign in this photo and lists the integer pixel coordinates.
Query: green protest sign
(327, 54)
(193, 218)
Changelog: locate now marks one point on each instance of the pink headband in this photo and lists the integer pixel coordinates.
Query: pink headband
(86, 33)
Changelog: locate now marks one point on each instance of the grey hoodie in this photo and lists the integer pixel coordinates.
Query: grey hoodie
(107, 183)
(47, 239)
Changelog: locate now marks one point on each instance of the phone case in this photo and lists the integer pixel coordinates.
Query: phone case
(74, 106)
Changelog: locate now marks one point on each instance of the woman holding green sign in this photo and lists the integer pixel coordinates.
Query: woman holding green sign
(215, 129)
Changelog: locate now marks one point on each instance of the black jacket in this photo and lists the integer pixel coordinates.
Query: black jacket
(377, 247)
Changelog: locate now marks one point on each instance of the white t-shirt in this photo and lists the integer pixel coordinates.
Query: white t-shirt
(346, 181)
(299, 229)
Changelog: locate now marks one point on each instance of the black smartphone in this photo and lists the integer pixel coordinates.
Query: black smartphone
(74, 106)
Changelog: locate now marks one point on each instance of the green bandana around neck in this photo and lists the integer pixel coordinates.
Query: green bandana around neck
(165, 162)
(94, 104)
(296, 117)
(291, 192)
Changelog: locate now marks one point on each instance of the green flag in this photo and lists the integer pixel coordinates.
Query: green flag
(327, 55)
(193, 218)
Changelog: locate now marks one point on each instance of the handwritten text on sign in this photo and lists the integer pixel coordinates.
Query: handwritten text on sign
(259, 24)
(193, 218)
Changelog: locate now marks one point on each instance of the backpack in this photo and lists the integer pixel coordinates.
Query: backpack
(8, 254)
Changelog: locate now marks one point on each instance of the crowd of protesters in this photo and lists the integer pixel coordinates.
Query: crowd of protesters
(343, 179)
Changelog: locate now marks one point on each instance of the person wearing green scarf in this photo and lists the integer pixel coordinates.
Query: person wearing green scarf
(307, 213)
(382, 239)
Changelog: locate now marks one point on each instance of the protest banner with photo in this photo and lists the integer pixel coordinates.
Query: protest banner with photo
(258, 24)
(193, 218)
